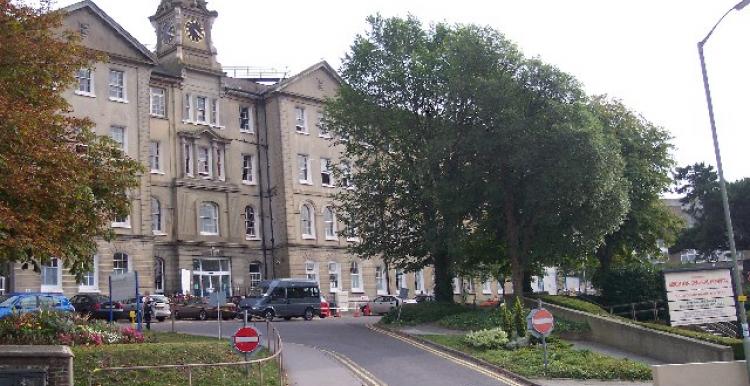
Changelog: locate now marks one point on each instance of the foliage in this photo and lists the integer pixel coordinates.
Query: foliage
(565, 325)
(519, 318)
(507, 317)
(426, 312)
(474, 320)
(630, 283)
(574, 303)
(169, 349)
(494, 338)
(62, 184)
(564, 361)
(50, 327)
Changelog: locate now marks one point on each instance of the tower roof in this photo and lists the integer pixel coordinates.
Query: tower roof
(196, 5)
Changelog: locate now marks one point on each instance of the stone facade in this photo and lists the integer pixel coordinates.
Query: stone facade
(36, 365)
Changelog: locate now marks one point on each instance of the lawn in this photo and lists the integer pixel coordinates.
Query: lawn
(168, 348)
(564, 361)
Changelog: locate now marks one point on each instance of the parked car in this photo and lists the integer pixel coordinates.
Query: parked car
(325, 308)
(97, 306)
(161, 307)
(284, 298)
(199, 308)
(424, 298)
(383, 304)
(33, 302)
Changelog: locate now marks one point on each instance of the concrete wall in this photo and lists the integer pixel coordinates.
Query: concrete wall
(701, 374)
(55, 361)
(639, 340)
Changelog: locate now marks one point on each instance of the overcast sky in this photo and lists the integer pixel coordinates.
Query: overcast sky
(641, 51)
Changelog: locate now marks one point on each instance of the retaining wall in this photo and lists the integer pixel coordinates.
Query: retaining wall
(701, 374)
(36, 365)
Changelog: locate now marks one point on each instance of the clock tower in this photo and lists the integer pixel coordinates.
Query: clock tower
(183, 35)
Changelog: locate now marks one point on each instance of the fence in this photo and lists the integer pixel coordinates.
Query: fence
(274, 346)
(651, 310)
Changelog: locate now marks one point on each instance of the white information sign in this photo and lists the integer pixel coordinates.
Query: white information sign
(342, 300)
(700, 296)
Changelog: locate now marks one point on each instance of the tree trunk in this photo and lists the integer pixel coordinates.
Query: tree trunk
(527, 282)
(443, 279)
(516, 272)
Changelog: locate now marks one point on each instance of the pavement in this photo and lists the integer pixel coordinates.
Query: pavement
(308, 366)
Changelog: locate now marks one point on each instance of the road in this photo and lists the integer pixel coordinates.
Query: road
(392, 361)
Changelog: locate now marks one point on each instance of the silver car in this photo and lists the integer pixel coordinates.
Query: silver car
(161, 307)
(383, 304)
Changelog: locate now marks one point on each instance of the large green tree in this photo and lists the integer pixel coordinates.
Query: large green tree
(61, 184)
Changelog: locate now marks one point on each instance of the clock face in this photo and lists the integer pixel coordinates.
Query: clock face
(168, 33)
(194, 30)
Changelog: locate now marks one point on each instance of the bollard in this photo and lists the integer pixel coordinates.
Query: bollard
(172, 317)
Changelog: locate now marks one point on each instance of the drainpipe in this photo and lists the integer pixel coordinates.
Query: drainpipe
(260, 191)
(268, 185)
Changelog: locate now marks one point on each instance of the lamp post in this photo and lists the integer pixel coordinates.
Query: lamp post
(740, 300)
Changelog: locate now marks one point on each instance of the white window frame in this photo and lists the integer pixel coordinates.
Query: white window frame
(58, 266)
(355, 271)
(247, 122)
(300, 120)
(346, 172)
(115, 86)
(334, 270)
(322, 131)
(79, 76)
(94, 275)
(220, 162)
(205, 110)
(124, 143)
(254, 278)
(307, 208)
(248, 169)
(154, 157)
(157, 213)
(469, 284)
(188, 155)
(326, 169)
(400, 279)
(121, 224)
(487, 287)
(158, 261)
(187, 108)
(119, 271)
(205, 168)
(303, 160)
(419, 288)
(252, 227)
(213, 217)
(457, 286)
(312, 270)
(380, 280)
(329, 223)
(158, 102)
(214, 117)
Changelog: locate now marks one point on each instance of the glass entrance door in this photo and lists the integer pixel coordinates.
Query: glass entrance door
(211, 275)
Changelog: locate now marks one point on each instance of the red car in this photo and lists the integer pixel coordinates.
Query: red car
(325, 308)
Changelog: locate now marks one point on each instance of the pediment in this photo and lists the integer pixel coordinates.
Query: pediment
(209, 133)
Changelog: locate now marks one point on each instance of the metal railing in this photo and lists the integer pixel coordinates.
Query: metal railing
(274, 345)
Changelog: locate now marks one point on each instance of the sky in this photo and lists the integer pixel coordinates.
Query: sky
(643, 52)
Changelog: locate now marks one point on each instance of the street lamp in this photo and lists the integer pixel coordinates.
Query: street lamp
(740, 300)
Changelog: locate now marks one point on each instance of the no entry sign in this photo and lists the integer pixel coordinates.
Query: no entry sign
(246, 339)
(540, 322)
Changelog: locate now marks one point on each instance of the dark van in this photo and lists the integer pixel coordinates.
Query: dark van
(284, 298)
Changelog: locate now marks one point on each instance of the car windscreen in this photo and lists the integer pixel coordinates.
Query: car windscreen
(257, 292)
(7, 300)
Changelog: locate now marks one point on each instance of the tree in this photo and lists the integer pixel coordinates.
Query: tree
(700, 185)
(61, 184)
(645, 150)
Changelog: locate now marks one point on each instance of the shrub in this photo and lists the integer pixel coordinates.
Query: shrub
(519, 318)
(491, 339)
(507, 317)
(630, 283)
(426, 312)
(473, 320)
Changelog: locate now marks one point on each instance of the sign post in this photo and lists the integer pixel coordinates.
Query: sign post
(123, 286)
(540, 323)
(218, 299)
(403, 294)
(246, 340)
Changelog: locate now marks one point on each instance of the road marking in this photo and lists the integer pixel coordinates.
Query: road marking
(456, 360)
(358, 370)
(246, 339)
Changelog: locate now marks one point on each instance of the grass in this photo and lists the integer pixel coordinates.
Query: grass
(574, 303)
(564, 361)
(168, 348)
(428, 312)
(472, 320)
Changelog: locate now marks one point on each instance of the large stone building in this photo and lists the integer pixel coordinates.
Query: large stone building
(239, 184)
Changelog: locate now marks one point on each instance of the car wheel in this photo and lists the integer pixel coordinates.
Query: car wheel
(161, 319)
(202, 315)
(176, 315)
(268, 314)
(309, 314)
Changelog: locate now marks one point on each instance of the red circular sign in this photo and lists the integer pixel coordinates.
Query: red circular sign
(246, 339)
(542, 321)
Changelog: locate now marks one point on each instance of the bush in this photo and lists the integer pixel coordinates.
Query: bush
(631, 283)
(474, 320)
(519, 318)
(426, 312)
(494, 338)
(507, 317)
(574, 303)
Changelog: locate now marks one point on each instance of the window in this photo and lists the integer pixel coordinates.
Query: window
(220, 162)
(120, 263)
(200, 109)
(154, 157)
(245, 125)
(158, 275)
(456, 286)
(300, 124)
(322, 129)
(117, 133)
(90, 280)
(419, 282)
(688, 256)
(356, 277)
(158, 102)
(156, 217)
(247, 169)
(250, 229)
(487, 287)
(209, 219)
(380, 280)
(117, 86)
(188, 150)
(352, 232)
(254, 273)
(214, 112)
(311, 271)
(346, 175)
(329, 221)
(204, 161)
(187, 112)
(52, 276)
(400, 283)
(326, 172)
(85, 82)
(121, 222)
(303, 163)
(469, 285)
(334, 276)
(306, 222)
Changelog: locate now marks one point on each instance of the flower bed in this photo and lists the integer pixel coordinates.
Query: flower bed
(52, 328)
